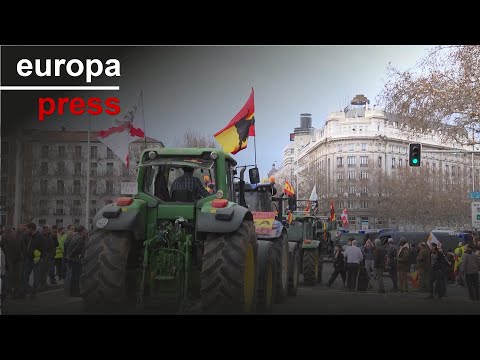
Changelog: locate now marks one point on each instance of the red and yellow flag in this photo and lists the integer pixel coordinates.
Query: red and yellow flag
(288, 189)
(233, 137)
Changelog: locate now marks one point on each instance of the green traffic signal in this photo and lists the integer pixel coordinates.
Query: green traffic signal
(415, 161)
(414, 154)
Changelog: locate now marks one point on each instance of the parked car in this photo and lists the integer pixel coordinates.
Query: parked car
(412, 237)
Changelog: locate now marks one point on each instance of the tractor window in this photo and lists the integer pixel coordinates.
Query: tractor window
(231, 190)
(148, 179)
(155, 182)
(202, 185)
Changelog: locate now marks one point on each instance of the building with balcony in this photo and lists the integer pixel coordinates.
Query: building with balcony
(53, 175)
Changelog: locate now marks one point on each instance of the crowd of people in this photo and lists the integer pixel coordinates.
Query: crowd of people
(433, 266)
(52, 253)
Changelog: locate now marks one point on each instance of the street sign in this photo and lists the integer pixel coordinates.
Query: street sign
(476, 214)
(475, 195)
(129, 188)
(364, 224)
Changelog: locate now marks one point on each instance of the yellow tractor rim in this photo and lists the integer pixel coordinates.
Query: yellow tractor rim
(249, 279)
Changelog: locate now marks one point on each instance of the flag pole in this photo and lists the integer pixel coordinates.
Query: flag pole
(87, 199)
(143, 117)
(255, 149)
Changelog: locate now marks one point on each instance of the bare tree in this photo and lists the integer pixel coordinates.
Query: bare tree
(440, 94)
(192, 138)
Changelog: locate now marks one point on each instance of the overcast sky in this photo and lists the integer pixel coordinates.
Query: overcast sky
(203, 87)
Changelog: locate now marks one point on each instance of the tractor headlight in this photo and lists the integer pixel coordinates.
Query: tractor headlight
(213, 155)
(152, 155)
(219, 194)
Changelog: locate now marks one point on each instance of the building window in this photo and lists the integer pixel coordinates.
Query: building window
(364, 190)
(351, 147)
(44, 168)
(93, 207)
(364, 204)
(351, 161)
(42, 222)
(391, 148)
(351, 175)
(393, 163)
(43, 207)
(59, 208)
(93, 169)
(109, 169)
(351, 189)
(109, 187)
(363, 175)
(364, 147)
(379, 161)
(340, 147)
(60, 187)
(400, 162)
(363, 161)
(44, 151)
(76, 187)
(93, 187)
(78, 152)
(93, 152)
(59, 222)
(396, 149)
(76, 221)
(61, 152)
(350, 205)
(60, 168)
(77, 169)
(339, 161)
(341, 190)
(447, 170)
(44, 187)
(110, 154)
(76, 207)
(340, 176)
(352, 220)
(434, 167)
(428, 165)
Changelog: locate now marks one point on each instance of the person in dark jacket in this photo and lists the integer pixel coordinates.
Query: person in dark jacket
(338, 266)
(437, 264)
(34, 242)
(403, 265)
(14, 250)
(423, 267)
(379, 263)
(74, 257)
(391, 264)
(471, 267)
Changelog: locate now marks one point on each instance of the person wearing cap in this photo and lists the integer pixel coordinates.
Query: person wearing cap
(423, 267)
(392, 263)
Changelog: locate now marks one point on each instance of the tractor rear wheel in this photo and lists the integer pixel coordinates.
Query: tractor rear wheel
(280, 250)
(310, 266)
(104, 268)
(229, 271)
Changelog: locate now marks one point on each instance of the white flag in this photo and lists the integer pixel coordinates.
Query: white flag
(130, 128)
(344, 218)
(313, 195)
(432, 239)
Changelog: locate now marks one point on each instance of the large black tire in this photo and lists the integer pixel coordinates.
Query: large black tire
(229, 271)
(267, 275)
(280, 251)
(310, 266)
(294, 273)
(104, 268)
(320, 268)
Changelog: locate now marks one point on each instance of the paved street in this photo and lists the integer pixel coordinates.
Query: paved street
(310, 300)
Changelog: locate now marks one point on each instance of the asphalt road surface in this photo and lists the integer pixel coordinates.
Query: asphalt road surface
(317, 299)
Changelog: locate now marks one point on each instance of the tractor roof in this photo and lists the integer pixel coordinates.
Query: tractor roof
(186, 152)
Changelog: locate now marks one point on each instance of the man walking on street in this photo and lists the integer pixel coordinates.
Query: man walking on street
(437, 261)
(74, 256)
(338, 266)
(423, 267)
(392, 263)
(354, 257)
(379, 263)
(471, 267)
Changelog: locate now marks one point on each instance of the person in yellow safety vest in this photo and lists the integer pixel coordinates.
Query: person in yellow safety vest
(62, 236)
(458, 260)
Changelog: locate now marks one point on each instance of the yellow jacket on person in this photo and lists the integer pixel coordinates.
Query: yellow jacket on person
(61, 244)
(36, 256)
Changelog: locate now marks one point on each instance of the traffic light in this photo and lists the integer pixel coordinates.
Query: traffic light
(414, 155)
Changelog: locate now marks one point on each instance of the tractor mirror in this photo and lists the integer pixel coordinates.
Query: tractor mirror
(254, 175)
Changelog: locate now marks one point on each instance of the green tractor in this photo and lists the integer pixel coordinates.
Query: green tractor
(168, 241)
(272, 233)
